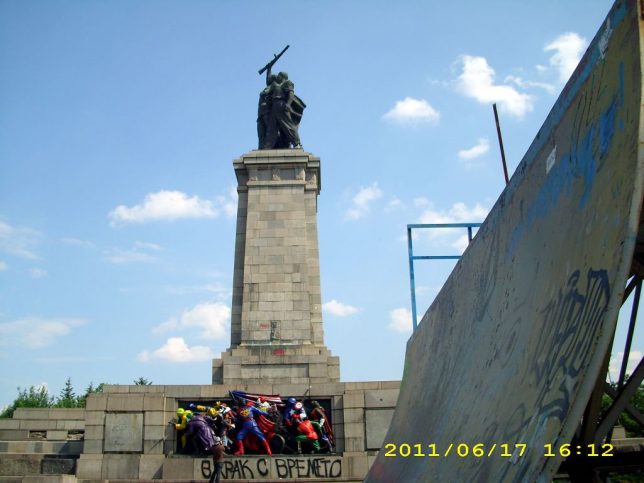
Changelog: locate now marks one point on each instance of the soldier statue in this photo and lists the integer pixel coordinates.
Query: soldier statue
(279, 111)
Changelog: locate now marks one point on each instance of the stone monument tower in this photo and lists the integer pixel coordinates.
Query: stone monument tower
(276, 327)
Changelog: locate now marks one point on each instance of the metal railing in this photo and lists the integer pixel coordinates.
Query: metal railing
(413, 257)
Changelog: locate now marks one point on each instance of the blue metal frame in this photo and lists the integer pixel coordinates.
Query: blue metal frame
(413, 257)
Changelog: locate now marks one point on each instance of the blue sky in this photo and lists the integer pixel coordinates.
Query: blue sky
(119, 124)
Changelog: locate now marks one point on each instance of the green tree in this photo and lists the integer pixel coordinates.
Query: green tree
(142, 381)
(82, 400)
(67, 398)
(34, 397)
(633, 429)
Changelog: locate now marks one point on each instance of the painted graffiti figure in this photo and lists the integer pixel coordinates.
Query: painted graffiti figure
(306, 433)
(247, 415)
(258, 423)
(318, 414)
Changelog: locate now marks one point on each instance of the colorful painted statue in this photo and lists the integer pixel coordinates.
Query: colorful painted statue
(326, 433)
(293, 409)
(201, 433)
(247, 416)
(183, 417)
(306, 433)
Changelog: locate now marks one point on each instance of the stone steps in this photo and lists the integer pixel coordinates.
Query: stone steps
(42, 447)
(39, 479)
(48, 460)
(14, 464)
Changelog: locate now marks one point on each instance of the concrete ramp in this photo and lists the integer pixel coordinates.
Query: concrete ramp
(507, 355)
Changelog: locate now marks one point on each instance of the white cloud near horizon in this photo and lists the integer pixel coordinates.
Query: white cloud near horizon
(19, 241)
(615, 365)
(411, 110)
(477, 81)
(176, 350)
(568, 49)
(163, 206)
(339, 309)
(362, 200)
(482, 147)
(400, 320)
(36, 332)
(211, 318)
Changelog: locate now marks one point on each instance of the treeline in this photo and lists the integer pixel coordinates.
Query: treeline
(39, 397)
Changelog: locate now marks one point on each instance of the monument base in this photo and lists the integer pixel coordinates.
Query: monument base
(307, 364)
(127, 436)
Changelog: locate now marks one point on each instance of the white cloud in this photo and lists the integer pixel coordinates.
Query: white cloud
(35, 332)
(163, 205)
(37, 273)
(19, 241)
(525, 84)
(76, 242)
(461, 243)
(411, 110)
(339, 309)
(217, 288)
(176, 350)
(119, 256)
(568, 49)
(147, 245)
(394, 204)
(3, 266)
(213, 320)
(400, 320)
(421, 201)
(362, 200)
(229, 203)
(477, 81)
(482, 147)
(634, 357)
(458, 213)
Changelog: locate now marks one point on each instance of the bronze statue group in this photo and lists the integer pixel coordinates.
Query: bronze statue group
(279, 112)
(254, 424)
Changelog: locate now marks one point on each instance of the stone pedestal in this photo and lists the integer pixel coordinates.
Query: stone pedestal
(276, 324)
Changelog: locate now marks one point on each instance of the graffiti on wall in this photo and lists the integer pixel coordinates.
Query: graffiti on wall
(260, 468)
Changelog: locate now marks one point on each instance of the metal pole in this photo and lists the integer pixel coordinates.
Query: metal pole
(469, 234)
(412, 285)
(498, 133)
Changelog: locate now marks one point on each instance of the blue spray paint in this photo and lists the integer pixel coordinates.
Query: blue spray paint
(579, 163)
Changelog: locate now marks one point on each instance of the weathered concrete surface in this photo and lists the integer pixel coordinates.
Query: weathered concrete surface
(511, 347)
